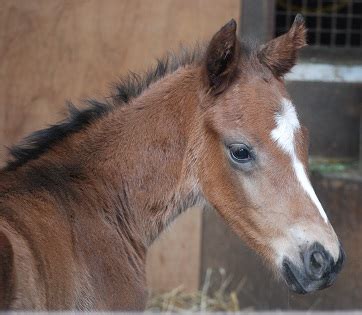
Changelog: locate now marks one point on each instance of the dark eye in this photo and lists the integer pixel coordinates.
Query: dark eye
(240, 153)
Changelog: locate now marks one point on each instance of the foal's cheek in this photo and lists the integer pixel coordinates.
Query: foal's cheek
(256, 190)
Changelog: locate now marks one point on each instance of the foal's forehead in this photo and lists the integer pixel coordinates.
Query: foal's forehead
(251, 106)
(262, 90)
(260, 100)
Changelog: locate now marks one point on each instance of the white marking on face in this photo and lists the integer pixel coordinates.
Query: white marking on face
(287, 124)
(301, 236)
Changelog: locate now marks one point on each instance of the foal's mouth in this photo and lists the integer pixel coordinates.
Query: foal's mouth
(300, 283)
(291, 279)
(317, 271)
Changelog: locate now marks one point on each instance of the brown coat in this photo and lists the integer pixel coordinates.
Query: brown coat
(81, 201)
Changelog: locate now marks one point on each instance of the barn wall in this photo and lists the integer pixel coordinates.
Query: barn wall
(55, 50)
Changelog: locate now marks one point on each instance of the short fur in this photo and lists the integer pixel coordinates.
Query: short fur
(124, 91)
(81, 201)
(280, 55)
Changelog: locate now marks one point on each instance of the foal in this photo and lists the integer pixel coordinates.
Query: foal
(81, 201)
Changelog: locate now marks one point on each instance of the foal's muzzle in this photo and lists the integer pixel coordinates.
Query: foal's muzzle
(318, 270)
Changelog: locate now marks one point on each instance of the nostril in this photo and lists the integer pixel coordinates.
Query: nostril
(317, 262)
(319, 266)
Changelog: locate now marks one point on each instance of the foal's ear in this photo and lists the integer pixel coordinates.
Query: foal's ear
(222, 57)
(280, 54)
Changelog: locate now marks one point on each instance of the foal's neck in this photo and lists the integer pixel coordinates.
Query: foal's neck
(146, 151)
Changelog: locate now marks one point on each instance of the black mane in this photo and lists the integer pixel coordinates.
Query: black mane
(125, 90)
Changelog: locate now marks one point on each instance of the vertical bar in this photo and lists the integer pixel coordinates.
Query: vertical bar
(289, 13)
(334, 24)
(257, 19)
(319, 23)
(349, 24)
(360, 140)
(304, 8)
(305, 13)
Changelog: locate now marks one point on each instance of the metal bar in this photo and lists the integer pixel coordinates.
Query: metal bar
(334, 25)
(257, 19)
(360, 140)
(319, 24)
(336, 31)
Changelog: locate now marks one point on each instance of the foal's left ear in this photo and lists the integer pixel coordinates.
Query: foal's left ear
(222, 58)
(280, 54)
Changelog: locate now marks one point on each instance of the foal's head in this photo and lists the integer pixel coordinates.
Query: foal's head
(254, 159)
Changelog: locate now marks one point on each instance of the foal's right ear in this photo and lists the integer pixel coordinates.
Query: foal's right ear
(280, 54)
(222, 58)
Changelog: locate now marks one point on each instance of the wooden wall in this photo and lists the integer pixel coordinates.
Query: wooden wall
(55, 50)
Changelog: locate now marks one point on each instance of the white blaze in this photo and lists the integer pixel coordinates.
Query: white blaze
(283, 134)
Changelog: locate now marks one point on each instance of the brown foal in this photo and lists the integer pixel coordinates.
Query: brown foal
(81, 201)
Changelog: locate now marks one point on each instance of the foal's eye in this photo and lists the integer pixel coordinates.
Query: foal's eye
(240, 153)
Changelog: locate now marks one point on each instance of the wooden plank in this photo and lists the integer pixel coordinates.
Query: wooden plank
(55, 50)
(174, 259)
